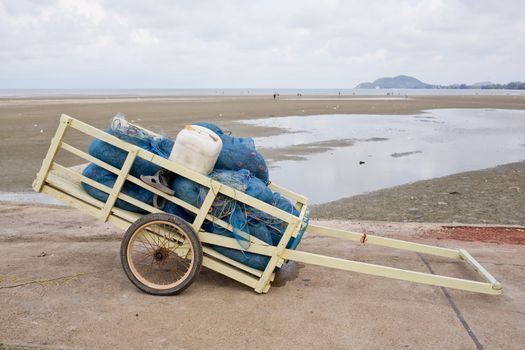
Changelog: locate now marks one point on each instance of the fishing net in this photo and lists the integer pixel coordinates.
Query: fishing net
(116, 156)
(239, 166)
(108, 179)
(239, 153)
(245, 220)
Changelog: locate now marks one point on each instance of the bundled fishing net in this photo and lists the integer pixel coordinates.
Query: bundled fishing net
(108, 179)
(239, 153)
(245, 220)
(239, 166)
(115, 156)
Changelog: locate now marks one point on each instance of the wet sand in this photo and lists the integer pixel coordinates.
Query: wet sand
(490, 196)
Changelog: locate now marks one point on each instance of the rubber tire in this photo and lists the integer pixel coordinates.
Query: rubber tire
(195, 244)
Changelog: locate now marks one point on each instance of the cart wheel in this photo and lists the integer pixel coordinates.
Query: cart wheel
(161, 254)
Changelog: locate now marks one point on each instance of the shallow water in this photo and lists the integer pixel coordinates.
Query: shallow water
(431, 144)
(51, 93)
(28, 197)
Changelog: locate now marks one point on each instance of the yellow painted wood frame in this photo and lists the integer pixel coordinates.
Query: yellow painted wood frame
(65, 184)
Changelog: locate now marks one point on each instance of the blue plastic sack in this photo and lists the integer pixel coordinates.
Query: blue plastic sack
(242, 217)
(116, 156)
(107, 178)
(225, 208)
(253, 260)
(237, 162)
(239, 153)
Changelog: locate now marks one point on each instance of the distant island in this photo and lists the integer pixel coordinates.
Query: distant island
(407, 82)
(399, 82)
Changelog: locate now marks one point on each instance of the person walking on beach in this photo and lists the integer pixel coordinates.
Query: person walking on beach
(274, 96)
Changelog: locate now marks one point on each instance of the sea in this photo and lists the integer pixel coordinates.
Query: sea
(50, 93)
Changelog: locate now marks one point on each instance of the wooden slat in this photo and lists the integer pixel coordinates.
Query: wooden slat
(219, 256)
(81, 178)
(383, 241)
(229, 271)
(117, 186)
(276, 258)
(101, 135)
(288, 194)
(65, 121)
(215, 239)
(83, 206)
(205, 207)
(67, 147)
(480, 269)
(130, 178)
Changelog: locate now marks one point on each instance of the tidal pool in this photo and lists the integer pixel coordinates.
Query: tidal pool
(327, 157)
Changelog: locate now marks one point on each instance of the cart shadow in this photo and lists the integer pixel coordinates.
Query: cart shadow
(288, 272)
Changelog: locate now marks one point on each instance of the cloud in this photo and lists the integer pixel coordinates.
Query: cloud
(117, 43)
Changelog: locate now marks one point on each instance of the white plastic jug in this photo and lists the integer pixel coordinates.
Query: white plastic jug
(197, 148)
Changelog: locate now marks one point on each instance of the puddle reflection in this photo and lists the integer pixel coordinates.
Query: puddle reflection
(389, 150)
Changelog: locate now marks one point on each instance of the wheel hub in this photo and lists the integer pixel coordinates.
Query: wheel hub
(161, 254)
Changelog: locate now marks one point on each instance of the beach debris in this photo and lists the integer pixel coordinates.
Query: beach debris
(454, 192)
(442, 203)
(41, 131)
(515, 188)
(41, 255)
(48, 282)
(35, 125)
(404, 154)
(220, 114)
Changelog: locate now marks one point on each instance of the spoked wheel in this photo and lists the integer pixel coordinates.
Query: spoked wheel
(161, 254)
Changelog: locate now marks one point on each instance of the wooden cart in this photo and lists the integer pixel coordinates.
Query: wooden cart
(162, 254)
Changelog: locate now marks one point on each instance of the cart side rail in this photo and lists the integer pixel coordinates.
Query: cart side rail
(181, 170)
(274, 187)
(215, 187)
(107, 211)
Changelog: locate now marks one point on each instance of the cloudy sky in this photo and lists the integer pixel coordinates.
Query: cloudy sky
(257, 44)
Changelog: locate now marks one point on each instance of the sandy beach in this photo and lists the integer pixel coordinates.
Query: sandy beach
(62, 287)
